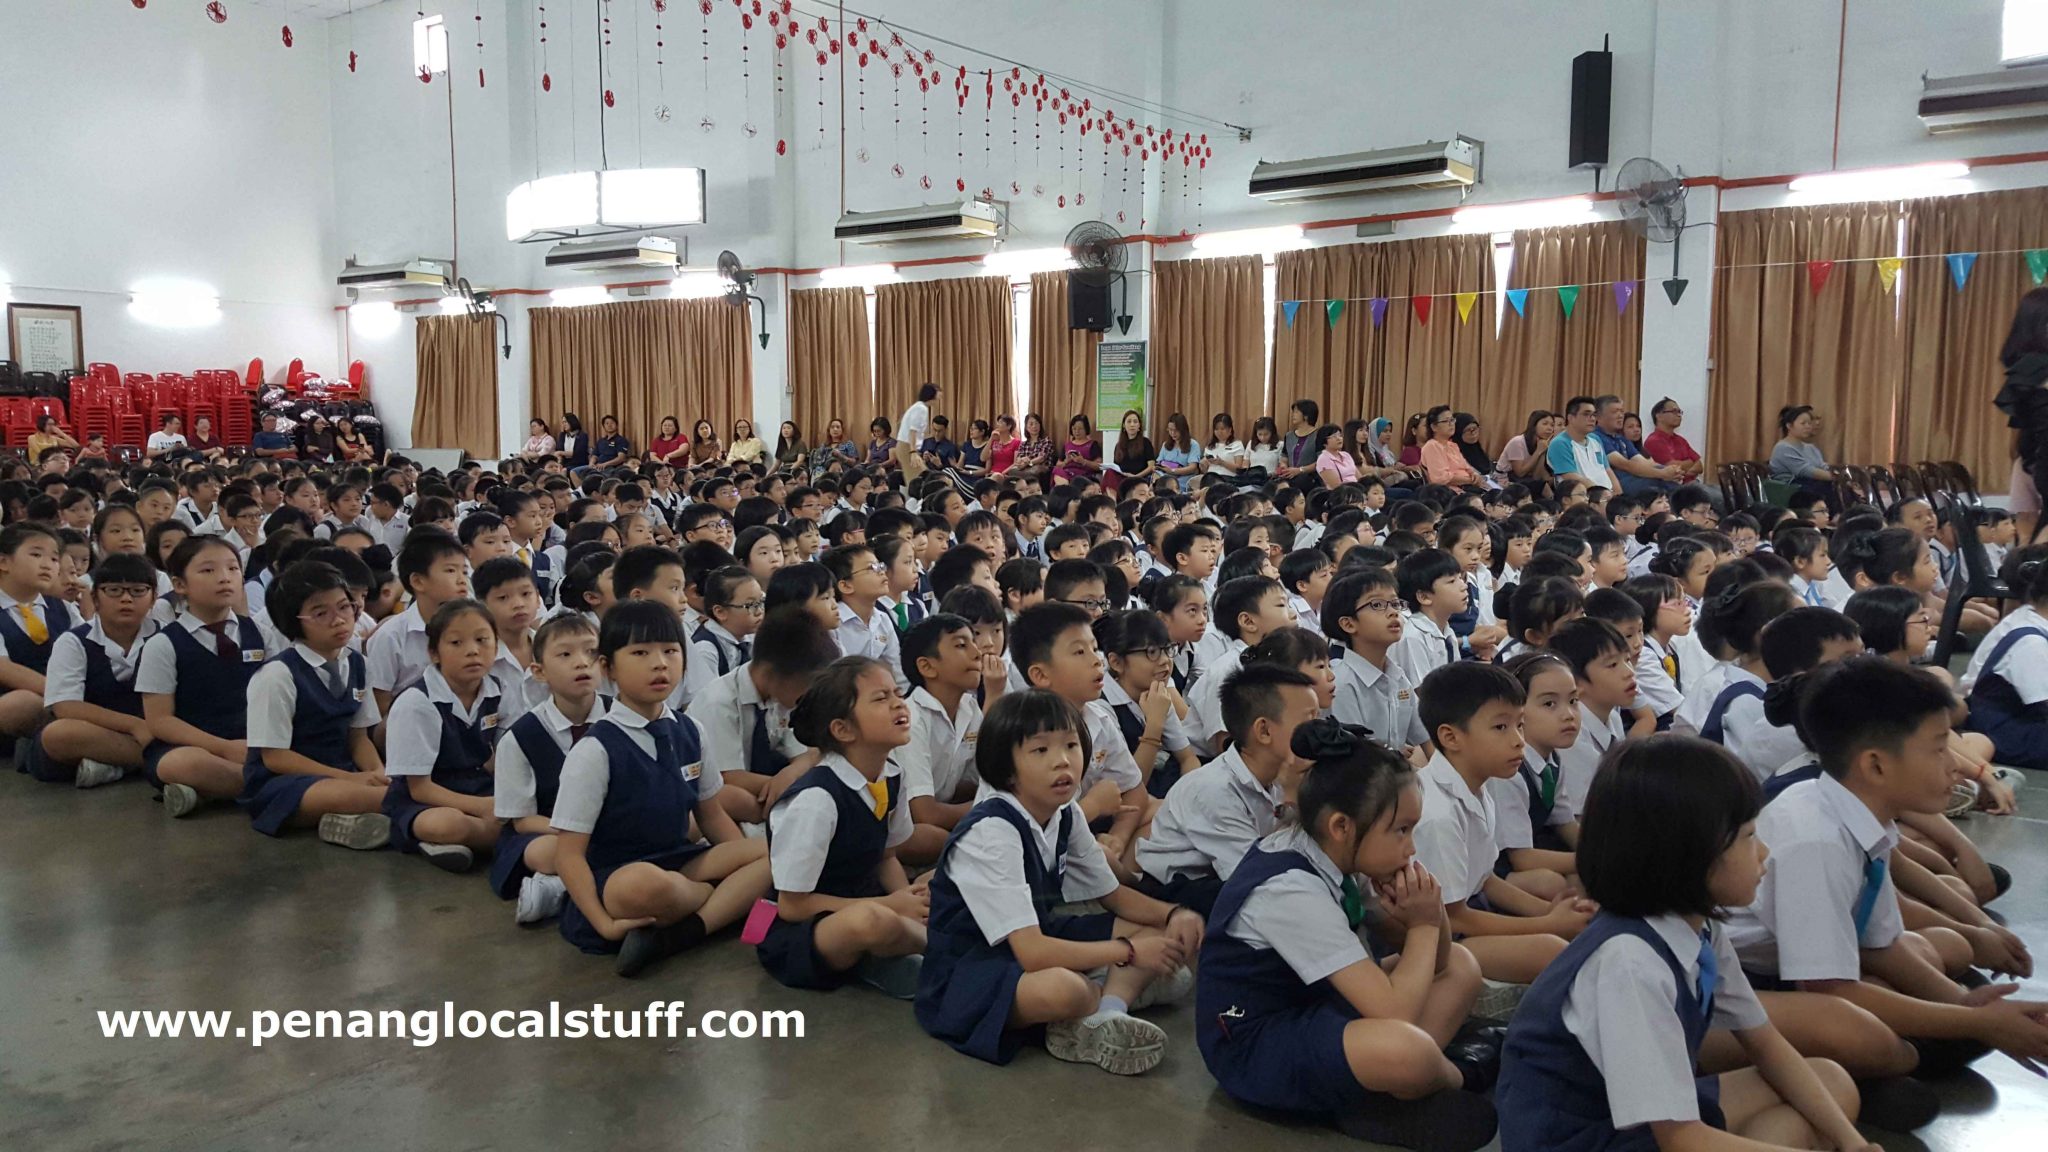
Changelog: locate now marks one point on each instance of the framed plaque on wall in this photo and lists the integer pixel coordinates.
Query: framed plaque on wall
(46, 337)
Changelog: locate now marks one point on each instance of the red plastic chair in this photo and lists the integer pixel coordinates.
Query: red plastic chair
(253, 380)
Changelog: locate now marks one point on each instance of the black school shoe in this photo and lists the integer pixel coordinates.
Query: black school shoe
(1453, 1121)
(1897, 1104)
(1940, 1058)
(644, 946)
(1475, 1051)
(2001, 880)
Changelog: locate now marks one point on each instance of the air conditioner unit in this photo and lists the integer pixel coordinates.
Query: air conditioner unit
(1954, 103)
(624, 252)
(1437, 164)
(954, 220)
(411, 274)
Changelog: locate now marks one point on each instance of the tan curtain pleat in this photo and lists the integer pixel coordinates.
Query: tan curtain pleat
(1208, 344)
(1776, 342)
(456, 402)
(1062, 358)
(1333, 365)
(643, 360)
(1442, 361)
(957, 334)
(1544, 359)
(1953, 337)
(830, 374)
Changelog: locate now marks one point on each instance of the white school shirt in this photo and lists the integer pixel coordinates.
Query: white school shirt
(412, 738)
(724, 714)
(939, 759)
(1655, 689)
(802, 825)
(1639, 563)
(1308, 534)
(876, 638)
(156, 668)
(2025, 666)
(1757, 742)
(1205, 699)
(1213, 645)
(515, 790)
(1622, 1009)
(56, 627)
(1305, 616)
(703, 666)
(1511, 801)
(1112, 760)
(187, 513)
(1423, 647)
(1812, 594)
(520, 691)
(1173, 736)
(987, 865)
(397, 652)
(1456, 838)
(1382, 700)
(915, 425)
(1298, 914)
(1211, 818)
(64, 680)
(274, 696)
(1701, 688)
(1836, 588)
(1803, 925)
(1482, 580)
(391, 534)
(1582, 759)
(587, 772)
(326, 529)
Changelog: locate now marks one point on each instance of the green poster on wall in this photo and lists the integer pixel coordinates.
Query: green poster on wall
(1119, 382)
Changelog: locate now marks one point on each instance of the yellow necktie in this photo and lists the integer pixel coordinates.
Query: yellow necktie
(526, 557)
(38, 632)
(1671, 666)
(879, 790)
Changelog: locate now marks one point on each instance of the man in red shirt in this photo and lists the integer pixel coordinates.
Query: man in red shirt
(1665, 445)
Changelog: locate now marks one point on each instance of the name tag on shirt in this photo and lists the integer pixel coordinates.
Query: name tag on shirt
(358, 694)
(252, 656)
(490, 721)
(692, 771)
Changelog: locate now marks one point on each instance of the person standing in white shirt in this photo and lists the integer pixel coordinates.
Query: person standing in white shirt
(911, 431)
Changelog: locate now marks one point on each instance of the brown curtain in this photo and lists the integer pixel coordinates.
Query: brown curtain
(830, 373)
(1062, 358)
(1952, 337)
(642, 360)
(1545, 359)
(957, 334)
(1777, 342)
(1208, 346)
(1334, 365)
(456, 400)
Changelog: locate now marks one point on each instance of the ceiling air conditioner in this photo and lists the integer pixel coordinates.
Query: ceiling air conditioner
(1954, 103)
(410, 274)
(1438, 164)
(624, 252)
(953, 220)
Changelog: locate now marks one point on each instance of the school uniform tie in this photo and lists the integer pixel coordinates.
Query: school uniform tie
(222, 646)
(526, 557)
(578, 732)
(746, 651)
(1450, 650)
(38, 632)
(902, 611)
(1813, 594)
(1549, 781)
(337, 681)
(1670, 663)
(878, 792)
(1354, 901)
(1866, 900)
(1710, 973)
(666, 752)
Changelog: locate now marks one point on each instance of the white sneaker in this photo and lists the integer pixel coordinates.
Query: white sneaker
(540, 897)
(1118, 1043)
(754, 831)
(1169, 989)
(362, 831)
(93, 773)
(180, 800)
(2012, 778)
(448, 857)
(1498, 1001)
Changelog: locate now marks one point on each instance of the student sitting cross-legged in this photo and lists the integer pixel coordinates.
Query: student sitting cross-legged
(530, 756)
(441, 741)
(744, 714)
(194, 676)
(96, 733)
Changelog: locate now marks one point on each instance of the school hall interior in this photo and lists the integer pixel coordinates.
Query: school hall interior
(433, 229)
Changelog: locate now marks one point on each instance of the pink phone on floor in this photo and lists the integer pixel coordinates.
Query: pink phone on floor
(758, 922)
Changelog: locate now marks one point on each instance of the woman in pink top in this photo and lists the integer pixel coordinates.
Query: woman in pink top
(1440, 455)
(1003, 449)
(1334, 464)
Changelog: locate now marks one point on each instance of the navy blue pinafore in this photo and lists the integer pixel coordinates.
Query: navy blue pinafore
(213, 693)
(460, 764)
(25, 652)
(646, 813)
(320, 732)
(1711, 728)
(852, 862)
(102, 690)
(2017, 734)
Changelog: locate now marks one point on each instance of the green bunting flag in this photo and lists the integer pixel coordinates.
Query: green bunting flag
(2037, 264)
(1567, 297)
(1335, 308)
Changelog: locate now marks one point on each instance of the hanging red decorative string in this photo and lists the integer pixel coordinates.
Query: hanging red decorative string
(351, 35)
(704, 10)
(747, 72)
(479, 43)
(1038, 138)
(896, 108)
(547, 82)
(781, 47)
(924, 100)
(811, 36)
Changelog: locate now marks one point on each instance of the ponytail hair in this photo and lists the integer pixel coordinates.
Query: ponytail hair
(831, 696)
(1735, 618)
(1541, 605)
(2026, 573)
(1882, 557)
(1349, 773)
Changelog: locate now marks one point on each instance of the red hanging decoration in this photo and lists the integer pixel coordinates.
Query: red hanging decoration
(661, 112)
(287, 35)
(217, 12)
(547, 82)
(139, 3)
(704, 9)
(479, 43)
(781, 44)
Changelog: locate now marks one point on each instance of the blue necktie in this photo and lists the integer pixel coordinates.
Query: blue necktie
(1866, 900)
(1710, 973)
(1813, 594)
(666, 754)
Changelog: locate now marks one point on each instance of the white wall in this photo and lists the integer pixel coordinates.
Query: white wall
(153, 144)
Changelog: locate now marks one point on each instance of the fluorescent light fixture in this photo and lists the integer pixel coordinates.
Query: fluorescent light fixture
(1531, 214)
(551, 204)
(629, 197)
(1025, 261)
(374, 318)
(579, 297)
(859, 276)
(450, 306)
(174, 304)
(2023, 35)
(697, 286)
(1251, 241)
(1882, 183)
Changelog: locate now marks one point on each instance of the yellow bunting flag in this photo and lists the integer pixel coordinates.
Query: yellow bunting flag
(1888, 271)
(1465, 302)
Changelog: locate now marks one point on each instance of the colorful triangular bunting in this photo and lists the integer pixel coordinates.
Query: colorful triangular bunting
(1959, 265)
(1422, 306)
(1674, 288)
(1465, 302)
(1335, 308)
(1817, 272)
(1567, 298)
(1288, 308)
(1624, 291)
(1379, 311)
(2037, 264)
(1519, 297)
(1888, 272)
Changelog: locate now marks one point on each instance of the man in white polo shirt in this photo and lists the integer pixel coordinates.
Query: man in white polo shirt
(911, 431)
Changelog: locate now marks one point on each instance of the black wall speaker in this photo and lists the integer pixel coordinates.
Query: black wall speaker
(1087, 305)
(1592, 93)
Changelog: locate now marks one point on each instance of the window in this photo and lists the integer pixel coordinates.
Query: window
(429, 46)
(2024, 36)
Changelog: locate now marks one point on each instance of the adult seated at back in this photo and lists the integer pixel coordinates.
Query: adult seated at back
(1665, 445)
(1797, 460)
(1576, 451)
(1639, 475)
(271, 444)
(609, 445)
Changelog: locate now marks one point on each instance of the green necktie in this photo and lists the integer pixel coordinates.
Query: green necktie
(1354, 902)
(903, 617)
(1549, 780)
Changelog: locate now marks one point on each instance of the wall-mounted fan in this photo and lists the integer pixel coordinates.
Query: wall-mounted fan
(1652, 202)
(1099, 254)
(739, 279)
(479, 304)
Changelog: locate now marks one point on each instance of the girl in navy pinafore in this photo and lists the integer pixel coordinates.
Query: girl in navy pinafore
(2006, 676)
(1293, 1011)
(194, 679)
(843, 902)
(440, 739)
(310, 714)
(1652, 973)
(1001, 965)
(638, 883)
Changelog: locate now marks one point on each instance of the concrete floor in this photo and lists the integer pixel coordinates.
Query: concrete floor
(106, 904)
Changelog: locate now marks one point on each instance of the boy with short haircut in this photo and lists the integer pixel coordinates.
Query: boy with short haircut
(1307, 575)
(433, 569)
(1433, 587)
(1473, 712)
(96, 733)
(1192, 550)
(387, 511)
(744, 715)
(1807, 551)
(1362, 616)
(1247, 610)
(1080, 583)
(529, 765)
(196, 508)
(1022, 582)
(1610, 556)
(506, 588)
(1827, 917)
(962, 564)
(860, 581)
(528, 527)
(1214, 814)
(1599, 656)
(1054, 647)
(484, 537)
(32, 616)
(1066, 542)
(946, 666)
